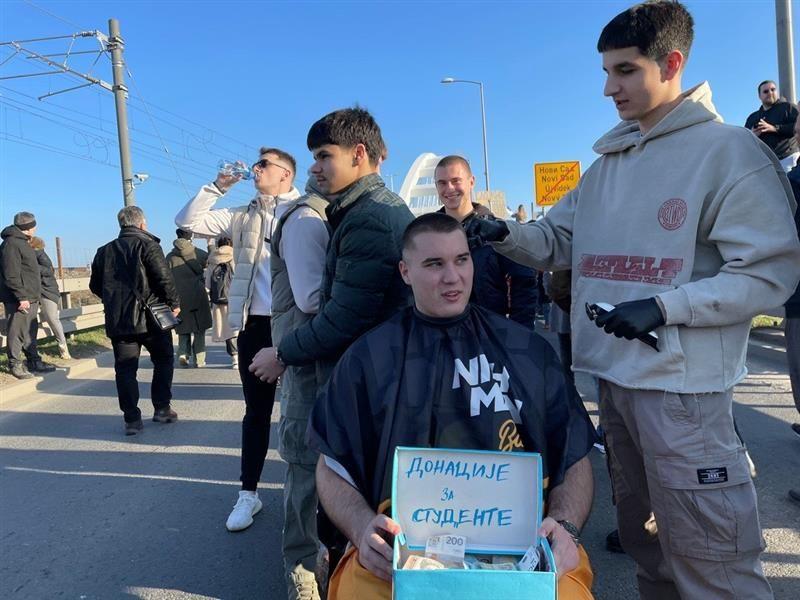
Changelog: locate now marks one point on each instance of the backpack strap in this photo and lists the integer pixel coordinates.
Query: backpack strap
(312, 201)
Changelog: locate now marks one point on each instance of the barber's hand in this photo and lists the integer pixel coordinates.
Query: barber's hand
(265, 365)
(486, 230)
(632, 319)
(24, 306)
(374, 551)
(564, 548)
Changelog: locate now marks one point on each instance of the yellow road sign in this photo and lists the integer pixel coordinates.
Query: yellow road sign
(554, 179)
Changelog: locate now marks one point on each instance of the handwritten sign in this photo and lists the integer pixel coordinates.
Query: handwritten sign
(554, 179)
(493, 499)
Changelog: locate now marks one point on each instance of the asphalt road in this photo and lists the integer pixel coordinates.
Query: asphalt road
(87, 513)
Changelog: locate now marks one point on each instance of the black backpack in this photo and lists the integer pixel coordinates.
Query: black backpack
(220, 282)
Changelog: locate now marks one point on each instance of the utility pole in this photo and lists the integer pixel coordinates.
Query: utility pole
(116, 45)
(783, 23)
(113, 44)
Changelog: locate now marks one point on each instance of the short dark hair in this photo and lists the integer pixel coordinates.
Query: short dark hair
(764, 82)
(224, 240)
(349, 127)
(454, 159)
(434, 222)
(283, 155)
(656, 28)
(183, 234)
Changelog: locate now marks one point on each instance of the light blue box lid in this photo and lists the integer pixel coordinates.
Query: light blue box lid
(494, 499)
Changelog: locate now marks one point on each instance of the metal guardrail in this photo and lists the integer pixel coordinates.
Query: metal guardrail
(72, 319)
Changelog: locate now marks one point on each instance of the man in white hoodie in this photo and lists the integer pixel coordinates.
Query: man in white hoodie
(662, 226)
(249, 298)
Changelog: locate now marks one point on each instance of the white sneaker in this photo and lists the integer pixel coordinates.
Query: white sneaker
(246, 506)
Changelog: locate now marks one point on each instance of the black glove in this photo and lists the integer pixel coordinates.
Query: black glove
(632, 320)
(483, 231)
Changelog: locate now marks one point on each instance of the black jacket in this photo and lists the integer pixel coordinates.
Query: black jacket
(361, 285)
(49, 283)
(131, 267)
(19, 271)
(499, 284)
(783, 115)
(793, 304)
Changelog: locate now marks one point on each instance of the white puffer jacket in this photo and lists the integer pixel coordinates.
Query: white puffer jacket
(248, 227)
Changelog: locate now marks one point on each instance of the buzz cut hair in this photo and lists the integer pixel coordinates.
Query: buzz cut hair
(347, 128)
(454, 159)
(656, 28)
(435, 222)
(283, 155)
(130, 216)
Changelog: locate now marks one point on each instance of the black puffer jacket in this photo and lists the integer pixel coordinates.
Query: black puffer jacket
(19, 271)
(48, 273)
(361, 286)
(793, 303)
(130, 266)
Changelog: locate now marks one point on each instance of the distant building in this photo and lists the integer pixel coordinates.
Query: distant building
(419, 187)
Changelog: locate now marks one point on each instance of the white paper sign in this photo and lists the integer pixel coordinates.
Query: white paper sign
(493, 499)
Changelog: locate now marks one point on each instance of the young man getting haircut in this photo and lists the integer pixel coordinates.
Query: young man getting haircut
(413, 381)
(662, 226)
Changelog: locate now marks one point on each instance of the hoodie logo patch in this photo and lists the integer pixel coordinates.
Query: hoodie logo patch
(672, 214)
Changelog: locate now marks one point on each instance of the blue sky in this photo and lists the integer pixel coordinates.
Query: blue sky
(221, 79)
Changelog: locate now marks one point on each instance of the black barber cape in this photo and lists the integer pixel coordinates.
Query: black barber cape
(476, 381)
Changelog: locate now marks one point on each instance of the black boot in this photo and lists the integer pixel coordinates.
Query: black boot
(39, 366)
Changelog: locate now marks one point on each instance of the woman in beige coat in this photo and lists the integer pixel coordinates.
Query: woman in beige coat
(218, 280)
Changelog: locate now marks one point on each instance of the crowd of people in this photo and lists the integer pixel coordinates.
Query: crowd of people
(384, 330)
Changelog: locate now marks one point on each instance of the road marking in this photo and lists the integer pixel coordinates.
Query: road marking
(237, 483)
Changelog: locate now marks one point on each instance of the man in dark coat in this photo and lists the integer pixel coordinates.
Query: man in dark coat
(188, 264)
(20, 291)
(773, 123)
(130, 273)
(500, 284)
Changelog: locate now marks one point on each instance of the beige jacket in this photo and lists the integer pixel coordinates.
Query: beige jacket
(695, 212)
(248, 226)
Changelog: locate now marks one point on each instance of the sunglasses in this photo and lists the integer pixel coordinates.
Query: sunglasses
(264, 163)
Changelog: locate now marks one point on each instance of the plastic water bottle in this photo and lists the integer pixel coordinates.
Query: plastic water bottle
(232, 168)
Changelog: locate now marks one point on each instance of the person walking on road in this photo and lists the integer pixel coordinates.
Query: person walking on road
(20, 292)
(249, 298)
(219, 275)
(50, 296)
(678, 251)
(188, 263)
(129, 274)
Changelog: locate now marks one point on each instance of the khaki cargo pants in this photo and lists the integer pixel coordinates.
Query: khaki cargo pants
(300, 541)
(686, 505)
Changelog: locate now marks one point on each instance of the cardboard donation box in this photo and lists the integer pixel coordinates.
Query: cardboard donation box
(469, 523)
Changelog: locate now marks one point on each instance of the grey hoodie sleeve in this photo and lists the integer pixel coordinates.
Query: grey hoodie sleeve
(545, 245)
(753, 231)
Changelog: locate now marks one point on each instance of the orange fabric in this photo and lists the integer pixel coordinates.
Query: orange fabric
(351, 581)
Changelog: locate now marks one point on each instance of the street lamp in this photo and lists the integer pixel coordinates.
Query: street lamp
(483, 118)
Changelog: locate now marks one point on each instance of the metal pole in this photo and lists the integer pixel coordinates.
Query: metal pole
(58, 258)
(783, 23)
(485, 148)
(116, 44)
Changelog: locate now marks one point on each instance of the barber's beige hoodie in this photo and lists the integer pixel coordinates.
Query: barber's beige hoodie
(695, 212)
